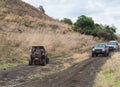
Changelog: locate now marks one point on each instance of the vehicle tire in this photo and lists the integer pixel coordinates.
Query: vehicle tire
(47, 60)
(30, 62)
(93, 55)
(108, 54)
(118, 49)
(105, 54)
(43, 62)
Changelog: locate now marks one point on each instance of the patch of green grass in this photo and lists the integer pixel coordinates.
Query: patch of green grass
(55, 55)
(116, 84)
(106, 79)
(6, 66)
(108, 76)
(12, 65)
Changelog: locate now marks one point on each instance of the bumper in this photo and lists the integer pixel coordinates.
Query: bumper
(111, 48)
(98, 52)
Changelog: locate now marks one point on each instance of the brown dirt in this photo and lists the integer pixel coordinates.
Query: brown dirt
(79, 75)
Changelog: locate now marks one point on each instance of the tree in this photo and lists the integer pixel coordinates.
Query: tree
(41, 9)
(67, 21)
(84, 25)
(106, 32)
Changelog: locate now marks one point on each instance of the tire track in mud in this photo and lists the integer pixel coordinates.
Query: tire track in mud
(25, 73)
(79, 75)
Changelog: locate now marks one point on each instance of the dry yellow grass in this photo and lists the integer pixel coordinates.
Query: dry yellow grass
(18, 45)
(23, 29)
(36, 23)
(77, 57)
(109, 76)
(53, 42)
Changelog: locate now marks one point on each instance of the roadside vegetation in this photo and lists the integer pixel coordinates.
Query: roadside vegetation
(18, 32)
(20, 29)
(86, 25)
(109, 75)
(15, 47)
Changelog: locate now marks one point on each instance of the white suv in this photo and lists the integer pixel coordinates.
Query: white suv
(113, 45)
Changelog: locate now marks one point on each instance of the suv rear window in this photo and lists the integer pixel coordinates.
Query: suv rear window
(112, 43)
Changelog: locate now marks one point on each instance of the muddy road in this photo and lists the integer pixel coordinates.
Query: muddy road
(81, 74)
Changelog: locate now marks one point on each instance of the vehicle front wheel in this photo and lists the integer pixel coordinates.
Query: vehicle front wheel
(105, 54)
(93, 55)
(43, 62)
(30, 62)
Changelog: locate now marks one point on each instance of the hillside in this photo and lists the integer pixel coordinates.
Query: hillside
(21, 8)
(22, 26)
(71, 64)
(16, 14)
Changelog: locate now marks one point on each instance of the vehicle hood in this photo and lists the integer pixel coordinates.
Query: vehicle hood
(98, 48)
(112, 46)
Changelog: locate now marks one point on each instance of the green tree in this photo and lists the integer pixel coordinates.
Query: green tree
(106, 32)
(67, 20)
(84, 25)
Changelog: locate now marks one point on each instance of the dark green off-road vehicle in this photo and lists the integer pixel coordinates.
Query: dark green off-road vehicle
(38, 56)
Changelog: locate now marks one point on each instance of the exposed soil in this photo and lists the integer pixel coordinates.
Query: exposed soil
(79, 75)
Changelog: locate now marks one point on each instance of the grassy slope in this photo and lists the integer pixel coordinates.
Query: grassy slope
(20, 29)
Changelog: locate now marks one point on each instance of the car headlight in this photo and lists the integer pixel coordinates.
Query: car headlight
(103, 49)
(115, 47)
(93, 49)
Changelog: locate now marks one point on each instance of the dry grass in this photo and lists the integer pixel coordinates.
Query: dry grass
(12, 13)
(109, 76)
(17, 46)
(37, 24)
(22, 29)
(53, 42)
(77, 57)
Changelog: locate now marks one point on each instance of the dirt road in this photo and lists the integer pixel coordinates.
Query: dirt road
(80, 75)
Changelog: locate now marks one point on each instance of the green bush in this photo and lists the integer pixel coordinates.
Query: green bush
(86, 25)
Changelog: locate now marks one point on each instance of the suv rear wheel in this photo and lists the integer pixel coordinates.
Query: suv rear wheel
(30, 62)
(43, 62)
(47, 60)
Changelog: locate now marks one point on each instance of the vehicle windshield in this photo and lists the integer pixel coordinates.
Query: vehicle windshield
(100, 45)
(112, 43)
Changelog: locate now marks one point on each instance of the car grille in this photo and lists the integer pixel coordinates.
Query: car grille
(98, 50)
(111, 48)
